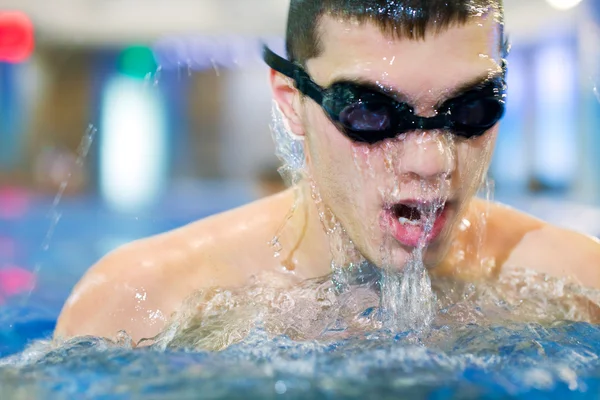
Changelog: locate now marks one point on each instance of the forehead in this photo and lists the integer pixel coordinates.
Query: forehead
(439, 63)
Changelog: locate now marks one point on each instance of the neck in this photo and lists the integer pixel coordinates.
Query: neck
(305, 244)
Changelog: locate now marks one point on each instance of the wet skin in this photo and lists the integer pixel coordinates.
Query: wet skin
(136, 288)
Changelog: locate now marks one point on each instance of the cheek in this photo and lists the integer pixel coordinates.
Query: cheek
(329, 151)
(334, 164)
(491, 142)
(475, 155)
(484, 146)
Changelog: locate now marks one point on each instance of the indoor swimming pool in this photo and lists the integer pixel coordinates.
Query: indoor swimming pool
(517, 359)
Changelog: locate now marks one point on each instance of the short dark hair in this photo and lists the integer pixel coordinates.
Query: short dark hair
(410, 19)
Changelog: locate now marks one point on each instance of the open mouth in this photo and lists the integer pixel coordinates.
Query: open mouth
(412, 223)
(416, 214)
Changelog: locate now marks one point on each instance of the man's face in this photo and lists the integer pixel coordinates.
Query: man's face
(374, 190)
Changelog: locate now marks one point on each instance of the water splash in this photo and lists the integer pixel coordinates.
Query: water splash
(55, 215)
(376, 366)
(153, 78)
(215, 319)
(157, 75)
(275, 243)
(289, 148)
(495, 339)
(276, 246)
(215, 66)
(407, 298)
(487, 265)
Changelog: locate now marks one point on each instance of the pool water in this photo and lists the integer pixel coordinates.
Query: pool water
(467, 358)
(528, 361)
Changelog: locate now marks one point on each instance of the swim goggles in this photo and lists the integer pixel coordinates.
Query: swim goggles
(368, 115)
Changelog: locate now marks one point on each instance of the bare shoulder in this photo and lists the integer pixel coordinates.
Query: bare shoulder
(523, 241)
(137, 287)
(130, 289)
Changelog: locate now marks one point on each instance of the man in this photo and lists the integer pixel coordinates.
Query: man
(397, 105)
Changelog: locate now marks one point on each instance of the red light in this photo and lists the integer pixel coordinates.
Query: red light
(16, 36)
(14, 202)
(15, 280)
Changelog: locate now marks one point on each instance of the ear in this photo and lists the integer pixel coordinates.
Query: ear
(288, 100)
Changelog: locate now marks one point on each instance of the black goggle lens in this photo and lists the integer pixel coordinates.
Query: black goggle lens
(475, 117)
(369, 117)
(366, 117)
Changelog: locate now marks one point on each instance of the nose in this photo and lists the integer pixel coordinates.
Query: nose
(428, 155)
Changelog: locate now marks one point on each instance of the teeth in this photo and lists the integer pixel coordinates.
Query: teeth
(405, 221)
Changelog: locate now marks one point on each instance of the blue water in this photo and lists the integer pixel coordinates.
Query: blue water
(528, 361)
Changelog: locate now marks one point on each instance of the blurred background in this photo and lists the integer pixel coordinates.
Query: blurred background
(124, 118)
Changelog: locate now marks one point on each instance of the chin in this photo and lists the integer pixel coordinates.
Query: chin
(398, 256)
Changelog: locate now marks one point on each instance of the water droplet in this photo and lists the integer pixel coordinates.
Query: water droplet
(280, 387)
(465, 224)
(157, 75)
(276, 246)
(55, 216)
(215, 66)
(356, 157)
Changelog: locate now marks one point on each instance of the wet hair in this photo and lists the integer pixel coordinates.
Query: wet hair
(410, 19)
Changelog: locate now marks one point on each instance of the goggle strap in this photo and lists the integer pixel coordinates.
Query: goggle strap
(301, 79)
